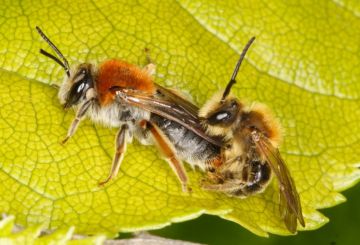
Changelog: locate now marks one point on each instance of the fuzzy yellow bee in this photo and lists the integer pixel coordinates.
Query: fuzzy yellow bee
(249, 154)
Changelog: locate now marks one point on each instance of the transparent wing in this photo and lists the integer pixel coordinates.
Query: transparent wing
(290, 206)
(169, 105)
(175, 97)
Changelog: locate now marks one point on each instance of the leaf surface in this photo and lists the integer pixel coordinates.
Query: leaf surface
(304, 65)
(32, 235)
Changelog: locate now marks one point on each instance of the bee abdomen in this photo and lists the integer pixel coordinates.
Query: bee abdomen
(257, 177)
(189, 146)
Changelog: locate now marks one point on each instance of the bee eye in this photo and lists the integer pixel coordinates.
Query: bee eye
(220, 117)
(81, 87)
(225, 115)
(233, 104)
(82, 82)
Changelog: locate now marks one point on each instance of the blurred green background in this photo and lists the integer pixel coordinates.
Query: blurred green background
(343, 228)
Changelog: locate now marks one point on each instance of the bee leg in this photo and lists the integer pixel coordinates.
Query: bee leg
(75, 123)
(119, 153)
(150, 68)
(213, 177)
(54, 85)
(227, 187)
(167, 148)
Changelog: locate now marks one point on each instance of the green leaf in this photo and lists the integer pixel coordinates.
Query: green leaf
(31, 235)
(60, 236)
(6, 226)
(303, 64)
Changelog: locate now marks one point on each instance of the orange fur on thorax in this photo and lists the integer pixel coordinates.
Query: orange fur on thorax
(263, 118)
(116, 73)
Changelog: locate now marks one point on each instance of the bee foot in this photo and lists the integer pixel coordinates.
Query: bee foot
(102, 183)
(54, 85)
(64, 140)
(186, 188)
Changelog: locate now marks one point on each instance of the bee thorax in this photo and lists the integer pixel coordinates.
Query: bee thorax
(260, 118)
(115, 114)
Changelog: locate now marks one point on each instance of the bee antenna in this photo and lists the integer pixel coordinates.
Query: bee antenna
(236, 70)
(65, 63)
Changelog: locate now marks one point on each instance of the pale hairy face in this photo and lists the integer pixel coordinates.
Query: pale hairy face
(219, 117)
(77, 87)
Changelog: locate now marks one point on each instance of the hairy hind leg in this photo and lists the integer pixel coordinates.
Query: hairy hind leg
(167, 149)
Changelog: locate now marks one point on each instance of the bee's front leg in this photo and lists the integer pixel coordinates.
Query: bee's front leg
(75, 123)
(120, 149)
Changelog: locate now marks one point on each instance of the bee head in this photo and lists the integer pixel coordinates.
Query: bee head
(218, 116)
(78, 87)
(221, 112)
(78, 84)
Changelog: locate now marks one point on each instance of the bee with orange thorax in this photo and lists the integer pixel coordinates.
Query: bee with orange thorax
(249, 152)
(93, 92)
(236, 144)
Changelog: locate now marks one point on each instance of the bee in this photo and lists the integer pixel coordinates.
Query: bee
(236, 145)
(249, 152)
(93, 92)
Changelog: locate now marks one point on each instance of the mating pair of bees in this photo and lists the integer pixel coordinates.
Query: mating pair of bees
(234, 144)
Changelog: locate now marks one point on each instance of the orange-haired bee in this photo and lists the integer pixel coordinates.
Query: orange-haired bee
(235, 144)
(92, 91)
(249, 152)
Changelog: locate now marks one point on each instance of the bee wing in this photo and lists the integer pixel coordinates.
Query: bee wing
(170, 106)
(290, 205)
(174, 96)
